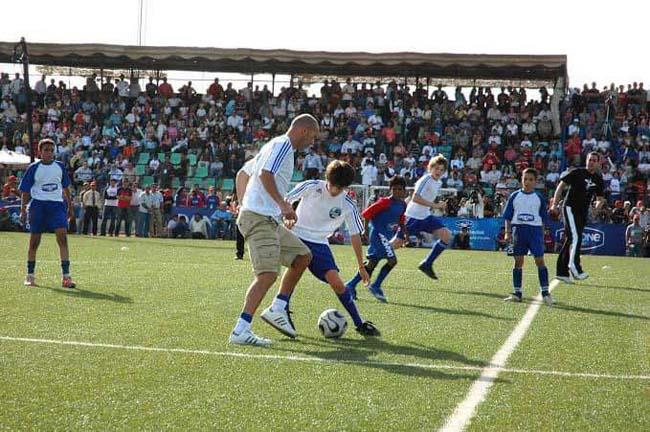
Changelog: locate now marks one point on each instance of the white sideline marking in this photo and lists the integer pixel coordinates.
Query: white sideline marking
(481, 387)
(316, 359)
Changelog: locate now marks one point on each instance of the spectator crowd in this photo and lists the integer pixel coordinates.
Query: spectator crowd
(134, 153)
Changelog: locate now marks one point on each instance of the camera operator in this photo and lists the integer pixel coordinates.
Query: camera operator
(476, 201)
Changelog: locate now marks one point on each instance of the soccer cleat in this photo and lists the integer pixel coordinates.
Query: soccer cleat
(281, 321)
(565, 279)
(30, 280)
(514, 297)
(247, 337)
(237, 258)
(368, 329)
(377, 293)
(548, 300)
(579, 276)
(66, 282)
(427, 271)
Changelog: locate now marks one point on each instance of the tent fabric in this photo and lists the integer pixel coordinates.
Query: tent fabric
(12, 159)
(245, 60)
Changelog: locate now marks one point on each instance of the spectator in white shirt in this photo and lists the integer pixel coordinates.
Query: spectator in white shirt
(199, 227)
(369, 173)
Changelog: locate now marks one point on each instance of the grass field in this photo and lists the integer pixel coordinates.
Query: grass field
(142, 345)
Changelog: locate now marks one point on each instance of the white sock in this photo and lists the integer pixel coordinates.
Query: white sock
(278, 305)
(242, 325)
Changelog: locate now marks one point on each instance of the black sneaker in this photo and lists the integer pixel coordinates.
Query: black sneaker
(428, 271)
(368, 329)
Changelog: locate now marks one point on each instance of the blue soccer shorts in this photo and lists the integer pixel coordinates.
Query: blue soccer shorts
(528, 238)
(47, 216)
(322, 259)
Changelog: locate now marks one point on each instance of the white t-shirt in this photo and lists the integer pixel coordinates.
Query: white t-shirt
(275, 157)
(45, 182)
(369, 175)
(427, 188)
(320, 213)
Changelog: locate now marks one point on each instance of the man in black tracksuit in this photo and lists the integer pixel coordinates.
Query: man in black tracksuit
(582, 185)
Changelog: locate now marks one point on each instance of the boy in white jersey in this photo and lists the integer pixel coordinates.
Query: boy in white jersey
(524, 215)
(270, 244)
(45, 186)
(418, 212)
(324, 206)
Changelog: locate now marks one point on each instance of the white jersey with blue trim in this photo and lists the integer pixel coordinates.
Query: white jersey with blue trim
(525, 208)
(275, 157)
(320, 213)
(45, 182)
(428, 188)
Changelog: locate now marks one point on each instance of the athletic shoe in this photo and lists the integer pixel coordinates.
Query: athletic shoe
(548, 300)
(281, 321)
(30, 280)
(565, 279)
(368, 329)
(237, 257)
(66, 282)
(247, 337)
(378, 293)
(427, 270)
(580, 276)
(514, 297)
(353, 291)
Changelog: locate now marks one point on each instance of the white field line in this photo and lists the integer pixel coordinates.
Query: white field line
(464, 412)
(315, 359)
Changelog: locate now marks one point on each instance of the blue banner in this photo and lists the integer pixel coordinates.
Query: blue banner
(597, 239)
(482, 232)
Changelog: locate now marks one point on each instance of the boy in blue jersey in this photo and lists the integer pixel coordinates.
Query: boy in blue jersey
(45, 186)
(383, 216)
(418, 212)
(524, 215)
(324, 206)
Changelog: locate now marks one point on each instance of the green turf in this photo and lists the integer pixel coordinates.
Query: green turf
(187, 295)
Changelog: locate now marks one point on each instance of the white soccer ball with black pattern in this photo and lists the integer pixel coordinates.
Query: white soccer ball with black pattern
(332, 323)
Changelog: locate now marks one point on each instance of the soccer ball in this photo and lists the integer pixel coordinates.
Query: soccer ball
(332, 323)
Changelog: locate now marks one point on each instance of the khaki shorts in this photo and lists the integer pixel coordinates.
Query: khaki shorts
(270, 244)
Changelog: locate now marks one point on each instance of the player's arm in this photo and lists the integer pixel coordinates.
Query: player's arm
(67, 196)
(24, 200)
(373, 210)
(558, 194)
(241, 183)
(508, 214)
(268, 182)
(401, 237)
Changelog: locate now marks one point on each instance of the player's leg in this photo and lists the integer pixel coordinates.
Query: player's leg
(366, 328)
(564, 256)
(62, 241)
(542, 274)
(375, 287)
(370, 264)
(579, 273)
(264, 250)
(34, 243)
(434, 226)
(296, 256)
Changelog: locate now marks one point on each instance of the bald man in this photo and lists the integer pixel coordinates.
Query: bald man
(270, 244)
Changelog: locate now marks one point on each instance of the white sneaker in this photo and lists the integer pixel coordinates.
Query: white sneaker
(513, 298)
(247, 337)
(280, 321)
(565, 279)
(579, 276)
(548, 300)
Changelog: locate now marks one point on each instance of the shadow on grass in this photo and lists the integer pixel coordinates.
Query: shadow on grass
(452, 311)
(647, 291)
(89, 294)
(360, 352)
(561, 306)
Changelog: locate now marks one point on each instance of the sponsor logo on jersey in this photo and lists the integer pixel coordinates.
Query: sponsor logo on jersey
(335, 212)
(525, 217)
(49, 187)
